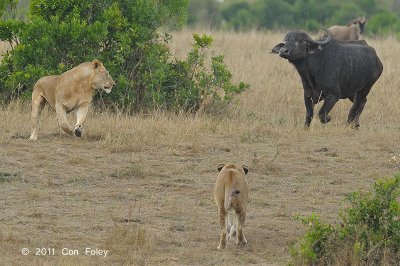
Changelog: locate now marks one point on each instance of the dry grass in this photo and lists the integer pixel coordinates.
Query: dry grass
(141, 186)
(4, 47)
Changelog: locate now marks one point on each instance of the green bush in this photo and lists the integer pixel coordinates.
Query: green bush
(204, 13)
(240, 16)
(128, 37)
(10, 6)
(287, 14)
(368, 233)
(384, 23)
(312, 247)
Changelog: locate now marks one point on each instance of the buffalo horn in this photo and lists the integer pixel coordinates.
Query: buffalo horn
(327, 38)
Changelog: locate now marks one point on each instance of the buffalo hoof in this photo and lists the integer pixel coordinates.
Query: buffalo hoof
(78, 131)
(353, 125)
(325, 119)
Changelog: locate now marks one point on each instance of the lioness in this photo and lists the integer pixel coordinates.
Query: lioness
(72, 90)
(231, 196)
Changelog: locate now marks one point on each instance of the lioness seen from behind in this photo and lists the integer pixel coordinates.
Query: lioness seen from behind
(72, 90)
(231, 196)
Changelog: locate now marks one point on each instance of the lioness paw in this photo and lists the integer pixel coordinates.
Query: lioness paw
(78, 131)
(220, 247)
(241, 242)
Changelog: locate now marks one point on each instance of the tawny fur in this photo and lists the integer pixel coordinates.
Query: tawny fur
(231, 197)
(72, 90)
(350, 32)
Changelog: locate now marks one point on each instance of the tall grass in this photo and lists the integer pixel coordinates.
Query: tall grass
(275, 100)
(277, 96)
(168, 162)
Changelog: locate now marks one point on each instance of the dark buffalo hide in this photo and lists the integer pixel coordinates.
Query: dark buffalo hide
(331, 70)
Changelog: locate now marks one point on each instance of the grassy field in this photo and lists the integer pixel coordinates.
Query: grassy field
(141, 186)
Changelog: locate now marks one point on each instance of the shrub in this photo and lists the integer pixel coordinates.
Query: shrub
(384, 23)
(369, 231)
(312, 247)
(129, 38)
(10, 6)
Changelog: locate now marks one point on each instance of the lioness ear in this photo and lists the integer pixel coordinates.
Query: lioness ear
(220, 167)
(245, 169)
(96, 63)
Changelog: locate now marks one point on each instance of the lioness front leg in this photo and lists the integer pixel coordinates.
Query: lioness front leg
(80, 119)
(62, 119)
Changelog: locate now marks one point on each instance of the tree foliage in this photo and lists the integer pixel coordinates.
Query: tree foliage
(127, 36)
(8, 6)
(306, 14)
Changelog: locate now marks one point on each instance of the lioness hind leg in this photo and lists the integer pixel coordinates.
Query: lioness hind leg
(241, 217)
(38, 102)
(62, 119)
(233, 227)
(222, 222)
(228, 225)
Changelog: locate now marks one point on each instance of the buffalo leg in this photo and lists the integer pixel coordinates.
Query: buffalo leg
(329, 102)
(309, 110)
(355, 111)
(358, 106)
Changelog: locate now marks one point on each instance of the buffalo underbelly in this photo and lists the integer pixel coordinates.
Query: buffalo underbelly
(315, 95)
(350, 88)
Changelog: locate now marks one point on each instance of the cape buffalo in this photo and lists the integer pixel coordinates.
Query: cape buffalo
(331, 70)
(351, 32)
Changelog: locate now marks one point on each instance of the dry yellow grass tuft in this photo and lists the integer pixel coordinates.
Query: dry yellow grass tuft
(4, 47)
(141, 186)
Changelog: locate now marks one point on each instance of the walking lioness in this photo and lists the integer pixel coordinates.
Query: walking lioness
(72, 90)
(231, 195)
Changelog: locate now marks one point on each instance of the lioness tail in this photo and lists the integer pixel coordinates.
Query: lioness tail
(232, 201)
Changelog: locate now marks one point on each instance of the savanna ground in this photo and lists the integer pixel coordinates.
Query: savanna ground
(141, 186)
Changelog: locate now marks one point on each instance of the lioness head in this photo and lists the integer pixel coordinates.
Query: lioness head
(244, 168)
(101, 79)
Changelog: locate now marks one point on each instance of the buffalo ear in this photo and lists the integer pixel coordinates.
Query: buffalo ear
(220, 167)
(276, 49)
(245, 169)
(312, 47)
(96, 63)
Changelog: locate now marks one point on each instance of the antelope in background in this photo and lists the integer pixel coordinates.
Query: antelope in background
(351, 32)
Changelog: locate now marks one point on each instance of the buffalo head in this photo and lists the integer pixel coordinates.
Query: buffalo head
(298, 45)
